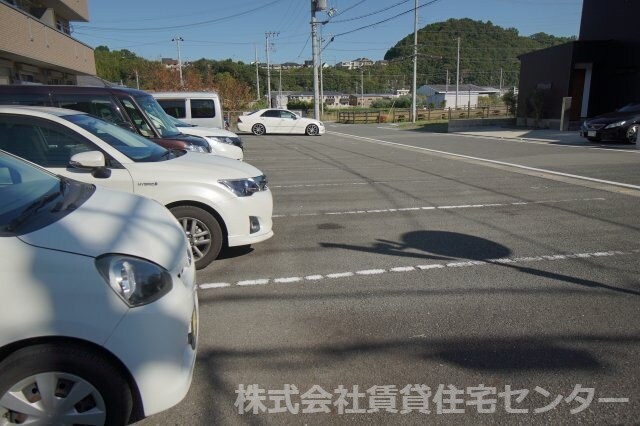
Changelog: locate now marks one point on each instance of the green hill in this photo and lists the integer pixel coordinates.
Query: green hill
(484, 50)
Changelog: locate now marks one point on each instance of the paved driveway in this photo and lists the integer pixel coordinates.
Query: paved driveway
(397, 263)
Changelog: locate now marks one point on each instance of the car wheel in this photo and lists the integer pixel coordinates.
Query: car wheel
(62, 384)
(258, 129)
(203, 232)
(593, 139)
(312, 130)
(632, 133)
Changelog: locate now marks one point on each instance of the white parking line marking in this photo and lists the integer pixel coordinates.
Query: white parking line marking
(371, 272)
(403, 269)
(486, 160)
(550, 143)
(424, 267)
(432, 266)
(340, 275)
(462, 206)
(213, 285)
(314, 277)
(254, 282)
(287, 280)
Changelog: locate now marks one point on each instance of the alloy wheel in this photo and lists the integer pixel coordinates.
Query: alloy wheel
(199, 236)
(53, 398)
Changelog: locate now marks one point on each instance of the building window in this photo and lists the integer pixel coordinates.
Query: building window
(62, 25)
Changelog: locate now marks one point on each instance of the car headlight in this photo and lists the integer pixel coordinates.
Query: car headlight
(222, 139)
(616, 124)
(245, 187)
(137, 282)
(241, 187)
(197, 148)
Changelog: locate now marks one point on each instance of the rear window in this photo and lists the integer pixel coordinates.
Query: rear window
(173, 107)
(203, 108)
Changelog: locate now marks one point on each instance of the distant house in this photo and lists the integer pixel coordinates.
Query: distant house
(362, 62)
(170, 63)
(445, 95)
(345, 64)
(382, 62)
(600, 71)
(290, 65)
(367, 99)
(332, 99)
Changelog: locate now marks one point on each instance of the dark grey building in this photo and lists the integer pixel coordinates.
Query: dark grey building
(600, 71)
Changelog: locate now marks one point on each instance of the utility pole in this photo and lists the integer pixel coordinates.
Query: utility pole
(458, 73)
(280, 89)
(321, 81)
(316, 6)
(362, 86)
(137, 78)
(415, 61)
(447, 83)
(500, 81)
(178, 40)
(268, 35)
(257, 74)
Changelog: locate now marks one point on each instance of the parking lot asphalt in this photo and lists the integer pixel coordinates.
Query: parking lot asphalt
(403, 257)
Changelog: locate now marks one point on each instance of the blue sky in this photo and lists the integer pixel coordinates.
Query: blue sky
(234, 29)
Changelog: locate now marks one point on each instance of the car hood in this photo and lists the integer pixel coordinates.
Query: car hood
(207, 131)
(202, 166)
(117, 222)
(612, 117)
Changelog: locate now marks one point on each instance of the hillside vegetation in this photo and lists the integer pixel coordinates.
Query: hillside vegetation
(485, 49)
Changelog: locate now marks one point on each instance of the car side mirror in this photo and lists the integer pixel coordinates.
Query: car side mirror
(93, 161)
(88, 160)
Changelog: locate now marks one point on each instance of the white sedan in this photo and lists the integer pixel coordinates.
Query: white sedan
(220, 202)
(273, 120)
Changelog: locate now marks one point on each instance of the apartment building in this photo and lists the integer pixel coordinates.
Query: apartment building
(36, 45)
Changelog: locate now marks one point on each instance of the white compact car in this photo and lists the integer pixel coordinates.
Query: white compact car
(222, 142)
(279, 121)
(218, 201)
(98, 303)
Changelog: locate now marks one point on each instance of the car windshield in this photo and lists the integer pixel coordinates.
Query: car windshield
(630, 108)
(158, 116)
(134, 146)
(23, 188)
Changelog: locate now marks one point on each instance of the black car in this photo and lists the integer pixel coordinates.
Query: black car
(621, 125)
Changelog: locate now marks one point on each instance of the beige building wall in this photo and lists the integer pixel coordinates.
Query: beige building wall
(34, 50)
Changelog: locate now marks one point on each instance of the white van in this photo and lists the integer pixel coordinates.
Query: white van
(199, 108)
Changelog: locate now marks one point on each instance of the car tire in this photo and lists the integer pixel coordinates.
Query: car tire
(258, 129)
(312, 130)
(631, 134)
(203, 232)
(33, 375)
(593, 140)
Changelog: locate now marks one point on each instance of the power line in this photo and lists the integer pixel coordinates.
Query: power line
(386, 20)
(183, 26)
(370, 14)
